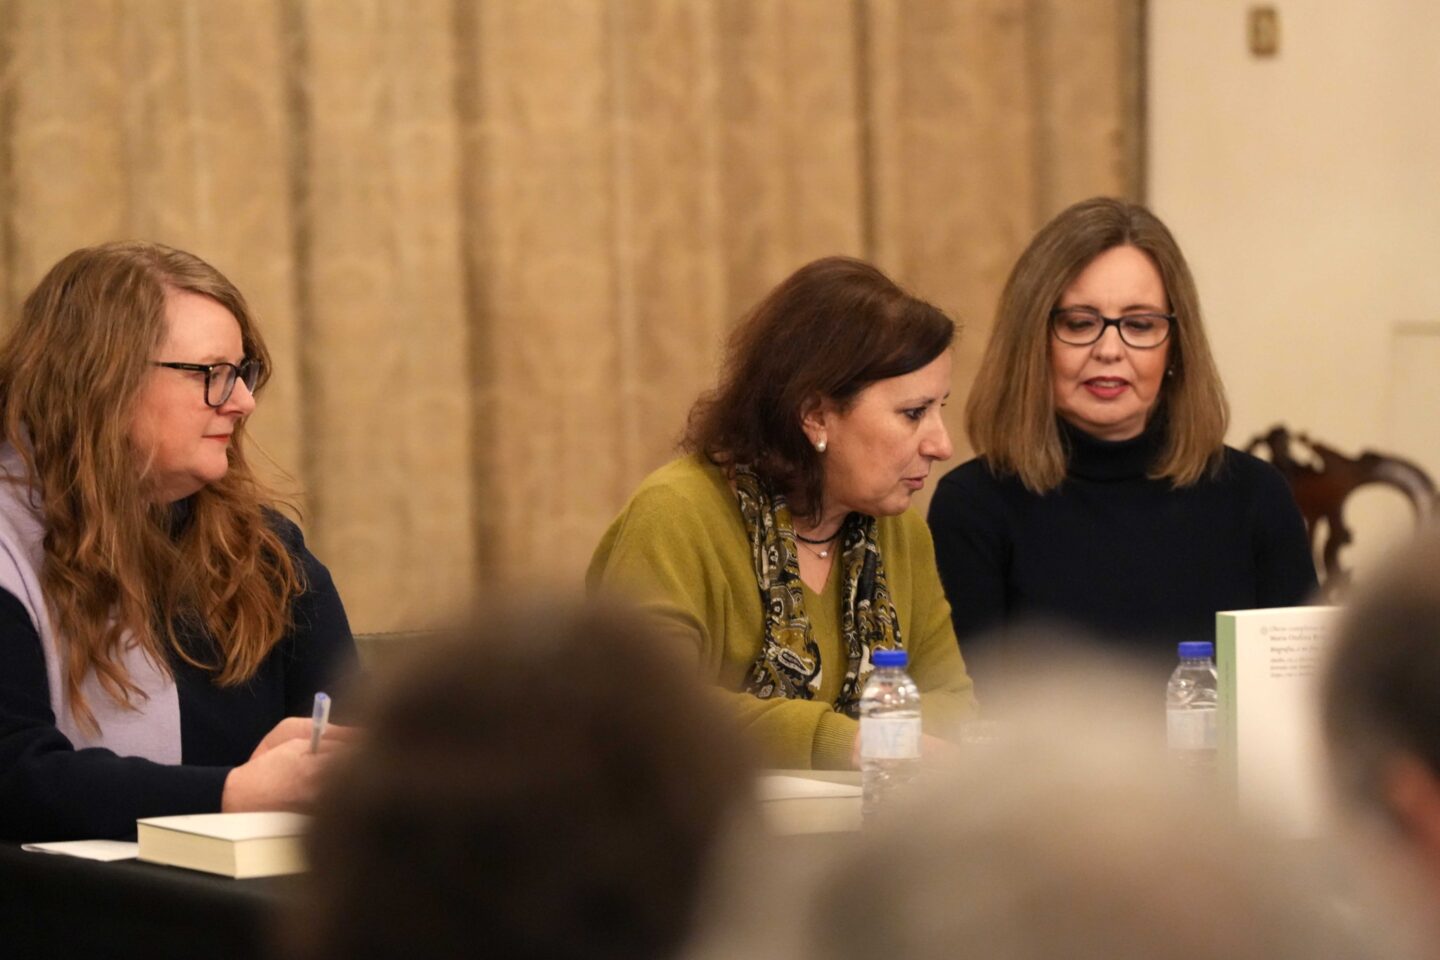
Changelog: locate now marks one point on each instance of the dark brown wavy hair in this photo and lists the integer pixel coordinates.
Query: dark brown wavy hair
(826, 332)
(70, 373)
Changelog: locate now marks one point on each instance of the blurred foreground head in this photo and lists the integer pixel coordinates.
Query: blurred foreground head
(1065, 835)
(1382, 700)
(544, 783)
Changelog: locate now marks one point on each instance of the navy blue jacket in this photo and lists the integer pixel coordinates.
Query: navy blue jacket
(51, 791)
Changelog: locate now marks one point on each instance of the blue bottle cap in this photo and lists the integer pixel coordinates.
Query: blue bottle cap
(889, 658)
(1197, 648)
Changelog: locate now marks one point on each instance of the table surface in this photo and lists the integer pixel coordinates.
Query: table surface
(58, 906)
(831, 776)
(54, 906)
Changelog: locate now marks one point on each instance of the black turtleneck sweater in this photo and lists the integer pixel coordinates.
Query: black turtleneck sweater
(1133, 561)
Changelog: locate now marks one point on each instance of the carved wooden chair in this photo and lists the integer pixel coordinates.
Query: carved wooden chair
(1322, 478)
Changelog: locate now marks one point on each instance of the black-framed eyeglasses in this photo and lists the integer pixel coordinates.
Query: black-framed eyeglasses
(1082, 326)
(220, 377)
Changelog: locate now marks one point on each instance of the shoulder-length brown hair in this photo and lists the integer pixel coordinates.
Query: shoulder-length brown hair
(827, 331)
(1010, 416)
(70, 373)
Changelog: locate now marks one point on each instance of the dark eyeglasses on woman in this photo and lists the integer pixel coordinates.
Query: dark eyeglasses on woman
(220, 377)
(1082, 326)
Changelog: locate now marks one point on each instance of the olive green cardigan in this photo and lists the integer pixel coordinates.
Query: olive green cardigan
(679, 547)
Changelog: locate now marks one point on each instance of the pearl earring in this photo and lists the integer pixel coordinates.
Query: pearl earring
(820, 445)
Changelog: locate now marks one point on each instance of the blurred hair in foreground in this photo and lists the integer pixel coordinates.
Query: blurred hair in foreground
(1381, 710)
(1068, 834)
(544, 782)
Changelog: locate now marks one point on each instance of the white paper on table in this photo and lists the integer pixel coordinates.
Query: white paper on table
(105, 850)
(782, 787)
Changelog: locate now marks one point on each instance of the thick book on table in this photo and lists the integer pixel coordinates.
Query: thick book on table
(795, 803)
(1268, 664)
(239, 845)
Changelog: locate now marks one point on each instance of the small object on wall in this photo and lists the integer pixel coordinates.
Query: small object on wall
(1264, 30)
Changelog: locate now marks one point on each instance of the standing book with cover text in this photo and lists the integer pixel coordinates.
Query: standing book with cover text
(1268, 662)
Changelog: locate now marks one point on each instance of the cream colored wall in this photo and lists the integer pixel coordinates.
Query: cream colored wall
(1305, 191)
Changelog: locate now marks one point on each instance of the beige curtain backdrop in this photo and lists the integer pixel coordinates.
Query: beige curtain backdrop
(496, 245)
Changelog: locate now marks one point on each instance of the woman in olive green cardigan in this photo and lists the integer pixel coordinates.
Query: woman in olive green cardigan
(780, 546)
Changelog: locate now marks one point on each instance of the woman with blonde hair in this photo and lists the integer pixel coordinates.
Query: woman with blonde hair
(159, 620)
(1102, 493)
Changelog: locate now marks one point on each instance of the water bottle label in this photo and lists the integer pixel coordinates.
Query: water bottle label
(890, 738)
(1191, 729)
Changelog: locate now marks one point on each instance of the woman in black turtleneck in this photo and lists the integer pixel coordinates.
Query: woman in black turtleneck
(1102, 495)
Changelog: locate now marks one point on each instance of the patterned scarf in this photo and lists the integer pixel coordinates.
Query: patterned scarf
(789, 662)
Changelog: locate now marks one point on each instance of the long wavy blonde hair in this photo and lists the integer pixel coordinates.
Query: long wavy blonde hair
(70, 373)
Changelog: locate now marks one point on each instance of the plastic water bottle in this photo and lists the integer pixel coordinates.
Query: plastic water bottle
(889, 730)
(1190, 706)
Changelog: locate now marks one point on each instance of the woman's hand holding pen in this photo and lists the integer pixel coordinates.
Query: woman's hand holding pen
(300, 728)
(283, 773)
